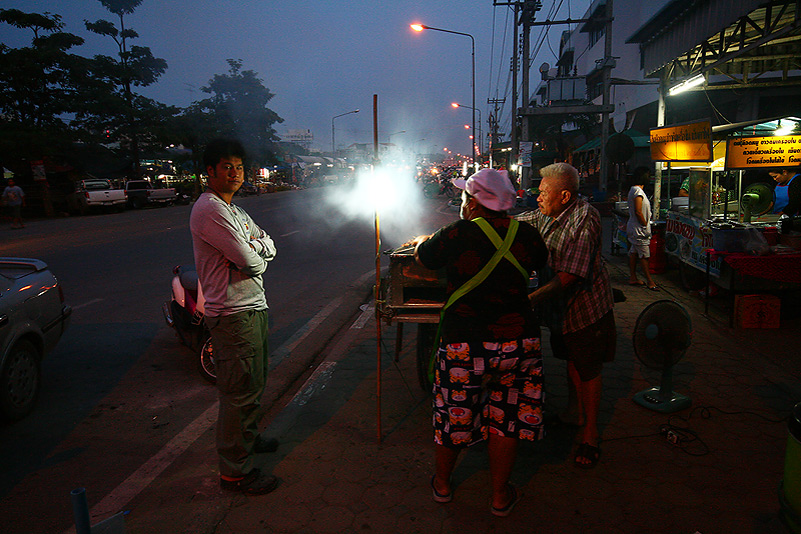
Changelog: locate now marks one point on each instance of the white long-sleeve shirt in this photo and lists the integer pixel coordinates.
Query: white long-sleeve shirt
(231, 254)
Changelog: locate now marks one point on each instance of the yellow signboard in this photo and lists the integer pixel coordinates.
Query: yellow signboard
(763, 152)
(684, 142)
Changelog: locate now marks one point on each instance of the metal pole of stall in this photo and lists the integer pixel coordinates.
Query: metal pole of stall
(377, 278)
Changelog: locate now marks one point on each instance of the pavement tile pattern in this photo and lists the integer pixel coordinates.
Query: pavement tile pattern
(721, 477)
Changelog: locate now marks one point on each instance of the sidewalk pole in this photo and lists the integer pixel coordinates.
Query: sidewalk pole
(80, 511)
(377, 277)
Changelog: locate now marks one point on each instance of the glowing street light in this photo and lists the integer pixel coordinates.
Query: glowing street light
(686, 84)
(333, 146)
(419, 28)
(457, 105)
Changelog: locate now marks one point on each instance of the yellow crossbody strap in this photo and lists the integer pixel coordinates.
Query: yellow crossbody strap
(501, 252)
(496, 240)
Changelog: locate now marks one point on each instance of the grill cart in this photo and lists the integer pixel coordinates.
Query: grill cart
(413, 294)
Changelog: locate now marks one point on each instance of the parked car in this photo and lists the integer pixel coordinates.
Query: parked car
(95, 193)
(140, 193)
(247, 189)
(33, 316)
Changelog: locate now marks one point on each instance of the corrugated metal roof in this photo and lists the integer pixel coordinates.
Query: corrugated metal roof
(682, 25)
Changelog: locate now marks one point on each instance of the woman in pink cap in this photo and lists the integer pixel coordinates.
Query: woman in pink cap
(488, 366)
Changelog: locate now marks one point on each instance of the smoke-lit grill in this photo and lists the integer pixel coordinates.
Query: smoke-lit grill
(411, 293)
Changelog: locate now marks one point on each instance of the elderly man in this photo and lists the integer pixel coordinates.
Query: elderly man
(488, 379)
(576, 297)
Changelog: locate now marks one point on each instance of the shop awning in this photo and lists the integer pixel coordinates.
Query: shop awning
(592, 144)
(640, 141)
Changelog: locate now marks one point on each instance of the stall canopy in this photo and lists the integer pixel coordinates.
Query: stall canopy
(741, 39)
(639, 138)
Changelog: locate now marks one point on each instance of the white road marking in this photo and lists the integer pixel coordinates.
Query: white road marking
(368, 311)
(289, 345)
(132, 486)
(316, 382)
(85, 304)
(290, 233)
(142, 477)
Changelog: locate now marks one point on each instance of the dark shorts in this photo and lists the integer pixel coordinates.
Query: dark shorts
(491, 387)
(588, 348)
(15, 212)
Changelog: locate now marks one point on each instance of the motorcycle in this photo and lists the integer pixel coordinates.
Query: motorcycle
(185, 313)
(436, 187)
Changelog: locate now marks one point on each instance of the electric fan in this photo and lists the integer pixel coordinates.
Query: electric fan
(662, 334)
(756, 199)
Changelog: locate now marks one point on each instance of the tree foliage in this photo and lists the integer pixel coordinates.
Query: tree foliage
(38, 84)
(238, 108)
(133, 66)
(51, 98)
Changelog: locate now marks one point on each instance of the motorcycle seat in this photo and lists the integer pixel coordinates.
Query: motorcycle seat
(188, 278)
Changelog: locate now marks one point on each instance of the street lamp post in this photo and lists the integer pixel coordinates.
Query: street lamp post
(333, 145)
(389, 141)
(395, 133)
(421, 27)
(476, 140)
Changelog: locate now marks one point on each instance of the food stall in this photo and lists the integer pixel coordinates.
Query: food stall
(723, 228)
(413, 294)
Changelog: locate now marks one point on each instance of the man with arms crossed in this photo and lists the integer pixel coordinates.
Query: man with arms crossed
(576, 297)
(231, 254)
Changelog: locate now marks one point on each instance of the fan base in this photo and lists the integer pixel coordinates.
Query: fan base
(655, 399)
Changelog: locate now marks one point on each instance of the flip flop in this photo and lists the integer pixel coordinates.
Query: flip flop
(440, 497)
(653, 288)
(506, 510)
(637, 283)
(588, 452)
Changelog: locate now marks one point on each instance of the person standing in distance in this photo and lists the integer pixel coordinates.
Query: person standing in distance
(638, 229)
(231, 255)
(576, 298)
(14, 198)
(786, 195)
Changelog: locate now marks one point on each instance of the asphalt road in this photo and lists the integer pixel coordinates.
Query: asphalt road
(119, 386)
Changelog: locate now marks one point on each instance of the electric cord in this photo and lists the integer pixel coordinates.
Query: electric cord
(677, 432)
(684, 438)
(705, 414)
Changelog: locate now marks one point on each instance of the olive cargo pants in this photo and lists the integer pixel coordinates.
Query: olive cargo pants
(240, 349)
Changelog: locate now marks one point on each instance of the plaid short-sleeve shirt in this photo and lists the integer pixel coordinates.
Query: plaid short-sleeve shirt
(574, 242)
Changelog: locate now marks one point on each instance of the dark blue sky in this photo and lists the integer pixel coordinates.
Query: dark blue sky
(323, 57)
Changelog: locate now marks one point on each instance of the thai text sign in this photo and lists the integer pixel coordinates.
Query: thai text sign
(685, 142)
(750, 152)
(688, 239)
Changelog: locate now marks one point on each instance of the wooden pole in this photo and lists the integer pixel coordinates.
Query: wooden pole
(376, 291)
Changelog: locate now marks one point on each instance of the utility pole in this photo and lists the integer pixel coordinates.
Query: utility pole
(608, 65)
(530, 8)
(515, 141)
(493, 124)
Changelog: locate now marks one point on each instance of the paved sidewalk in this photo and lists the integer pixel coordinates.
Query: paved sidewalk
(723, 476)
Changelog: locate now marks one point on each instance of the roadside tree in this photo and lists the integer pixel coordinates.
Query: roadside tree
(39, 85)
(238, 108)
(134, 66)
